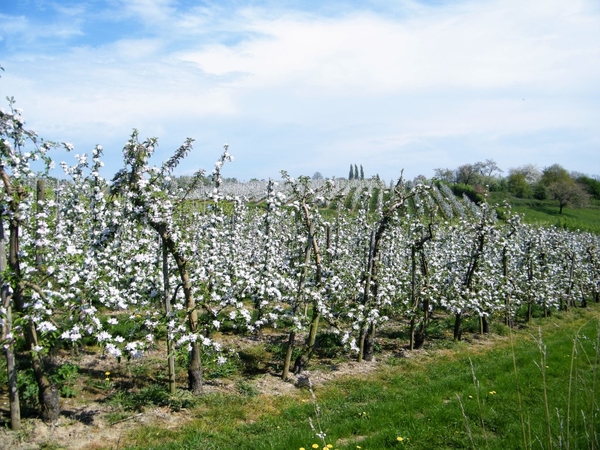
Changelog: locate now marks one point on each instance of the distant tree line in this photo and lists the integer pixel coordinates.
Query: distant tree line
(551, 183)
(355, 174)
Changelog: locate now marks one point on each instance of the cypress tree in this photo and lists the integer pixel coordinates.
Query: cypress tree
(351, 176)
(362, 173)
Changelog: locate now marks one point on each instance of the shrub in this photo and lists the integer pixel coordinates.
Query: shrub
(328, 344)
(539, 192)
(469, 191)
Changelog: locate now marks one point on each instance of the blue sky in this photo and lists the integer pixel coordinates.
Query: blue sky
(310, 86)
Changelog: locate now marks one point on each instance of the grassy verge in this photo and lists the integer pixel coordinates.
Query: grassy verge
(537, 388)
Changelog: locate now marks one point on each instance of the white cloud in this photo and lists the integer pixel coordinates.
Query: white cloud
(151, 12)
(416, 86)
(479, 46)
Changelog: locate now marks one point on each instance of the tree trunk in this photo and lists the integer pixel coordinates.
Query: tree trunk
(194, 362)
(195, 369)
(167, 300)
(411, 344)
(361, 344)
(314, 249)
(369, 347)
(292, 337)
(584, 303)
(312, 335)
(288, 356)
(413, 293)
(11, 371)
(507, 315)
(419, 331)
(370, 274)
(457, 326)
(13, 389)
(484, 325)
(48, 392)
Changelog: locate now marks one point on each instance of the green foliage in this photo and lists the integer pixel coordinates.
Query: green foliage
(244, 388)
(592, 186)
(374, 199)
(3, 372)
(103, 384)
(117, 416)
(554, 174)
(328, 344)
(540, 192)
(468, 190)
(28, 389)
(65, 377)
(439, 329)
(129, 328)
(348, 205)
(51, 446)
(212, 368)
(153, 395)
(518, 185)
(255, 359)
(278, 350)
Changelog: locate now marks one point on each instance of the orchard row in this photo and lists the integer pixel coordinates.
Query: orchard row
(81, 259)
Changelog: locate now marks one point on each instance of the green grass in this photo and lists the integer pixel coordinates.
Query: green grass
(545, 212)
(467, 396)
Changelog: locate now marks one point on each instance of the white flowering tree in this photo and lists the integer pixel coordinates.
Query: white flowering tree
(307, 263)
(466, 270)
(143, 190)
(204, 247)
(510, 254)
(26, 304)
(394, 210)
(264, 277)
(423, 255)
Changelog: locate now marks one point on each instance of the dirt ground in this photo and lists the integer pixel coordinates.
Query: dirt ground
(83, 423)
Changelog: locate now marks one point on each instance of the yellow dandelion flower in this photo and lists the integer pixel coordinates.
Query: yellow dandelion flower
(302, 448)
(315, 446)
(107, 373)
(329, 446)
(399, 438)
(492, 392)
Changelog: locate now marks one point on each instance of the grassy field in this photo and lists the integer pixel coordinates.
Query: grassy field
(534, 387)
(546, 213)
